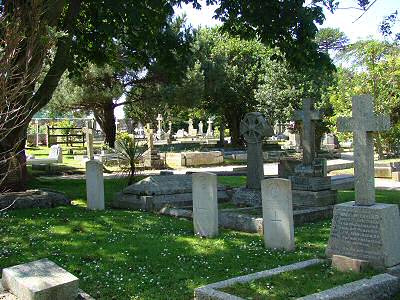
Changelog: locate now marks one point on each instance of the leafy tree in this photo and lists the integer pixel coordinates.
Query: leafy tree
(375, 69)
(331, 39)
(97, 90)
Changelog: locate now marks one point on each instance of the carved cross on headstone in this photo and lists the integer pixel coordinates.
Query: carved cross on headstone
(363, 123)
(275, 218)
(254, 128)
(307, 116)
(149, 136)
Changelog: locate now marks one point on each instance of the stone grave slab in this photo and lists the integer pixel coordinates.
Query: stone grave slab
(370, 233)
(40, 280)
(278, 214)
(158, 191)
(205, 204)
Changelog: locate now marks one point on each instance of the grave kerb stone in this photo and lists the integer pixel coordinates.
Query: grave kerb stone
(40, 280)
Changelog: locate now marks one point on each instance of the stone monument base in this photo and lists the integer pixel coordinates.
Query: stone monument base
(305, 199)
(308, 183)
(247, 197)
(370, 233)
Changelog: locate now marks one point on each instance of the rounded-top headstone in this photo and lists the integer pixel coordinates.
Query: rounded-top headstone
(254, 127)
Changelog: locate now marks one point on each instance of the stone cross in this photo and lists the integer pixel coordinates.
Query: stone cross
(149, 135)
(209, 128)
(159, 128)
(170, 127)
(363, 123)
(254, 128)
(277, 213)
(308, 116)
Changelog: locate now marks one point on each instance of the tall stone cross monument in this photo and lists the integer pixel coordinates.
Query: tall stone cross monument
(254, 128)
(364, 229)
(308, 116)
(363, 124)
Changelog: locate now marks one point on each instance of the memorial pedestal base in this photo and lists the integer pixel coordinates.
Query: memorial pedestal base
(370, 233)
(306, 199)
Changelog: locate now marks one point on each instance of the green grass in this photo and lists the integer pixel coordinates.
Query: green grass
(232, 181)
(120, 254)
(295, 284)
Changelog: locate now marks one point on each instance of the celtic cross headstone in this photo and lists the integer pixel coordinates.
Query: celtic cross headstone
(254, 128)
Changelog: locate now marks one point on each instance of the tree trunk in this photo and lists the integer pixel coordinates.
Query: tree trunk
(106, 119)
(234, 127)
(222, 134)
(18, 107)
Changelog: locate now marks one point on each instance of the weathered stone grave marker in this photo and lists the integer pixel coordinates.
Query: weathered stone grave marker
(160, 132)
(210, 132)
(41, 279)
(89, 140)
(254, 127)
(56, 153)
(364, 229)
(311, 185)
(94, 185)
(200, 132)
(277, 213)
(205, 204)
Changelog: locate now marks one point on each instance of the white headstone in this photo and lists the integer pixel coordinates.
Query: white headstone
(56, 153)
(200, 132)
(278, 213)
(205, 204)
(94, 185)
(40, 280)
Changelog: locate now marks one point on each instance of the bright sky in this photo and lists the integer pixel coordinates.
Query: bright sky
(342, 18)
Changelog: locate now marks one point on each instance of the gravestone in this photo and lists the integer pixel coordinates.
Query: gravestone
(94, 185)
(254, 127)
(200, 132)
(56, 153)
(156, 192)
(364, 229)
(191, 130)
(151, 157)
(278, 214)
(205, 204)
(310, 183)
(210, 132)
(89, 140)
(40, 280)
(160, 132)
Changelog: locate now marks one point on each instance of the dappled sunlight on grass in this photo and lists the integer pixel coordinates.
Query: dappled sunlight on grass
(131, 253)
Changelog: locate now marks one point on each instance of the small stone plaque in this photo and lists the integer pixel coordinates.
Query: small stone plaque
(40, 280)
(306, 183)
(368, 233)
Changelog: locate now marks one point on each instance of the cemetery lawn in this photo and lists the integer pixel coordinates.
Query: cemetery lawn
(120, 254)
(295, 284)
